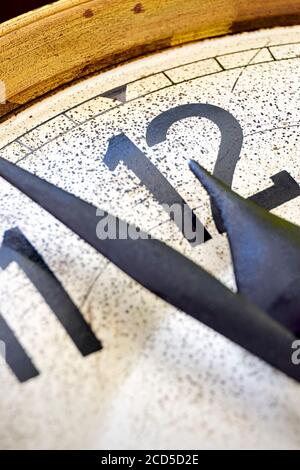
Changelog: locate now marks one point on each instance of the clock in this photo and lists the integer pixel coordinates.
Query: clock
(149, 208)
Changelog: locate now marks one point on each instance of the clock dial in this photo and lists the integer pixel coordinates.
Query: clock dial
(92, 358)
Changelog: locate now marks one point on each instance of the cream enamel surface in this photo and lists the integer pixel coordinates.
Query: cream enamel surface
(162, 380)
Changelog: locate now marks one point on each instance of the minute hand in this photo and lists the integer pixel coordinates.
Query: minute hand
(166, 273)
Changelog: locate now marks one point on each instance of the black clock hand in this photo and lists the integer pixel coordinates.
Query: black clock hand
(265, 251)
(166, 273)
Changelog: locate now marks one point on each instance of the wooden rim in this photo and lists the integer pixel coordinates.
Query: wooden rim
(52, 46)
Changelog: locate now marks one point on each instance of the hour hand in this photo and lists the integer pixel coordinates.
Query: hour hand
(166, 273)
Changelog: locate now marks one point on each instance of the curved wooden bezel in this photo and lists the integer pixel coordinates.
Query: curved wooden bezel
(52, 46)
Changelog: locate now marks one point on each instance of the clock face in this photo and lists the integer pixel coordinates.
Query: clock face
(94, 359)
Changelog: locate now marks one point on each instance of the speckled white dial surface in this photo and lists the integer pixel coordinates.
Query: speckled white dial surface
(162, 380)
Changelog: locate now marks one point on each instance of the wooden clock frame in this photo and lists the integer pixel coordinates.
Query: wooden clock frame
(61, 42)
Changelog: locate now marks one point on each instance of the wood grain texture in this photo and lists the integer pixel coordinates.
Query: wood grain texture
(51, 46)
